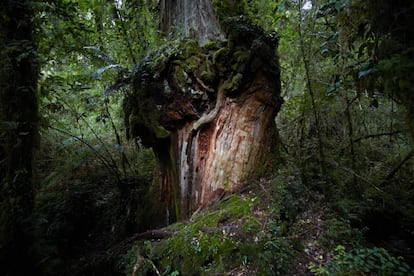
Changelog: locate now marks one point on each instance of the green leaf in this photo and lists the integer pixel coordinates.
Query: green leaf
(364, 73)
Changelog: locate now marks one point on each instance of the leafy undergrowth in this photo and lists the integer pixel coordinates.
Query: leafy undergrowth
(273, 227)
(237, 236)
(86, 221)
(80, 225)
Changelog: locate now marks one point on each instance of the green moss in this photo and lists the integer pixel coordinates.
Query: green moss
(210, 45)
(161, 132)
(190, 47)
(203, 246)
(250, 226)
(241, 233)
(180, 75)
(237, 206)
(228, 8)
(236, 80)
(232, 83)
(193, 63)
(208, 77)
(219, 54)
(241, 55)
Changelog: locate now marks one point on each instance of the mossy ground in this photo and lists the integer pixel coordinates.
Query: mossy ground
(275, 226)
(243, 234)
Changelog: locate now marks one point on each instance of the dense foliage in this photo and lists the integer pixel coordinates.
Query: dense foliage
(341, 199)
(19, 74)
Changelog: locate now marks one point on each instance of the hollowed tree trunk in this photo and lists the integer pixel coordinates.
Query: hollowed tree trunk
(207, 111)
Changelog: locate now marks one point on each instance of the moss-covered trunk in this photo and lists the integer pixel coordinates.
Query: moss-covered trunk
(207, 108)
(18, 129)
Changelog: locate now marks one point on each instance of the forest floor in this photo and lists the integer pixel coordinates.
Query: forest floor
(275, 225)
(88, 228)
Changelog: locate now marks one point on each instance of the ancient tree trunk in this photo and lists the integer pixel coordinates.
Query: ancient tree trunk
(207, 111)
(190, 18)
(18, 114)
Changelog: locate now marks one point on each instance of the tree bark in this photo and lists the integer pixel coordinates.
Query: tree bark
(190, 18)
(207, 111)
(18, 119)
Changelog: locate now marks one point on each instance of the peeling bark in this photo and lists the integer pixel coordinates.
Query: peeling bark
(232, 147)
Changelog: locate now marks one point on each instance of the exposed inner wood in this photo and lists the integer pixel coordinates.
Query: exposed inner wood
(224, 147)
(210, 116)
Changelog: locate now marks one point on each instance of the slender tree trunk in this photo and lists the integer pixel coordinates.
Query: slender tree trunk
(18, 119)
(351, 142)
(322, 159)
(207, 111)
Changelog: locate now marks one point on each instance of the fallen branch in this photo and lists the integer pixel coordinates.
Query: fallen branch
(140, 263)
(154, 234)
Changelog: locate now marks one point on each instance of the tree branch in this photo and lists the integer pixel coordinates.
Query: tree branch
(397, 167)
(209, 117)
(377, 135)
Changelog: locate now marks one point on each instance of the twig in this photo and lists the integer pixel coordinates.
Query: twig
(100, 156)
(154, 234)
(114, 166)
(397, 167)
(154, 267)
(356, 175)
(377, 135)
(124, 159)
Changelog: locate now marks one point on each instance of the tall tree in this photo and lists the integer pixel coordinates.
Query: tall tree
(18, 118)
(206, 104)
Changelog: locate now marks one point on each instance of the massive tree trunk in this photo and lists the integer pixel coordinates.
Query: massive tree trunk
(18, 120)
(206, 106)
(190, 18)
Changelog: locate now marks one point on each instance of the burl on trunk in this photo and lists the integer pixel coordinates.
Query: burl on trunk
(207, 109)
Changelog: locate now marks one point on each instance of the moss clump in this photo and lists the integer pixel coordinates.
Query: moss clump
(211, 243)
(225, 9)
(176, 84)
(208, 77)
(241, 32)
(210, 45)
(227, 237)
(190, 47)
